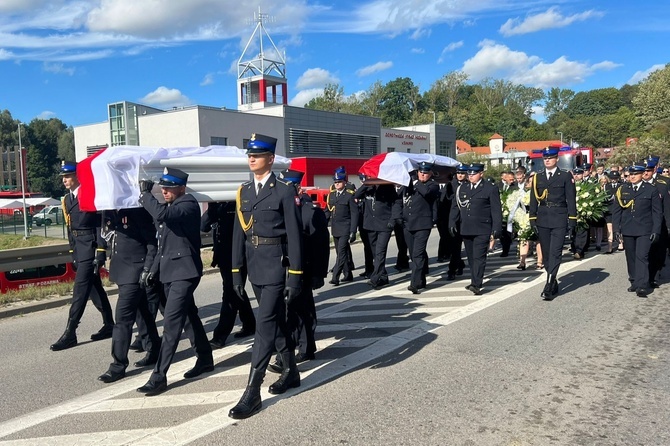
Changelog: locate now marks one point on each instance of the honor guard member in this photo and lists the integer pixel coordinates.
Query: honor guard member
(419, 213)
(342, 172)
(477, 210)
(133, 242)
(610, 189)
(89, 252)
(179, 269)
(553, 209)
(402, 259)
(638, 216)
(268, 238)
(342, 212)
(383, 210)
(456, 263)
(580, 241)
(659, 250)
(315, 256)
(368, 255)
(220, 218)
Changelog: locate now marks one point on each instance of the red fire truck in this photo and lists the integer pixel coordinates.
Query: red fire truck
(568, 158)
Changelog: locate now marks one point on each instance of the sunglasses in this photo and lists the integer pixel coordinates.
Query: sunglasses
(666, 171)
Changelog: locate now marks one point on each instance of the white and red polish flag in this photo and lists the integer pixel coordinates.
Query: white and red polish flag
(110, 177)
(394, 167)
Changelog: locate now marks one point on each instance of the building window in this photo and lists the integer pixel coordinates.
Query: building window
(390, 149)
(424, 150)
(219, 141)
(443, 148)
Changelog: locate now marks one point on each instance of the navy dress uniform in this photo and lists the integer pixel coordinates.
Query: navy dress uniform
(383, 208)
(179, 268)
(455, 240)
(552, 210)
(610, 189)
(220, 218)
(89, 252)
(658, 252)
(419, 213)
(342, 212)
(477, 210)
(134, 245)
(581, 239)
(267, 237)
(315, 255)
(637, 216)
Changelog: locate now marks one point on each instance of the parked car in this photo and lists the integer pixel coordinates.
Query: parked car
(49, 215)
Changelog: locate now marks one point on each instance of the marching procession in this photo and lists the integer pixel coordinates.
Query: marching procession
(276, 238)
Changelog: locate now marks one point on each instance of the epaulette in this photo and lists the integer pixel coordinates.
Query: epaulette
(662, 181)
(248, 183)
(282, 181)
(351, 191)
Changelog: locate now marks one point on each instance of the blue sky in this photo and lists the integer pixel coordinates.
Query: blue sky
(69, 58)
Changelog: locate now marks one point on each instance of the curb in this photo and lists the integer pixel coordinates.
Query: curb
(27, 307)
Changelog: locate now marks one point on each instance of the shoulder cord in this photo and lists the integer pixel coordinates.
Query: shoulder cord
(624, 206)
(245, 225)
(539, 197)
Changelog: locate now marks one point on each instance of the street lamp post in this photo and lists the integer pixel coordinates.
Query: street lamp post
(560, 133)
(431, 111)
(23, 187)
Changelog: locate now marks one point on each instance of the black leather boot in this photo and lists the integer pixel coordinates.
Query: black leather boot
(277, 366)
(250, 403)
(68, 339)
(546, 292)
(554, 287)
(104, 333)
(290, 376)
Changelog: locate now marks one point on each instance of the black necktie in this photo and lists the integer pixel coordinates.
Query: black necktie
(258, 190)
(549, 175)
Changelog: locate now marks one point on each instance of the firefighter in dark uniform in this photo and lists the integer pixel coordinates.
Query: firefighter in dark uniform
(638, 216)
(134, 243)
(368, 255)
(220, 217)
(477, 211)
(89, 252)
(383, 211)
(419, 213)
(553, 210)
(268, 239)
(455, 242)
(658, 252)
(315, 255)
(342, 211)
(179, 268)
(580, 241)
(610, 189)
(348, 186)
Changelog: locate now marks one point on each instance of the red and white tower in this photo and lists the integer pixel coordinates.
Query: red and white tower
(261, 77)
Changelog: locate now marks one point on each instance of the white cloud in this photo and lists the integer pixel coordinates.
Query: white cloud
(449, 48)
(537, 112)
(304, 96)
(315, 77)
(46, 114)
(637, 77)
(374, 68)
(207, 80)
(6, 55)
(417, 51)
(549, 19)
(420, 33)
(498, 61)
(166, 97)
(58, 68)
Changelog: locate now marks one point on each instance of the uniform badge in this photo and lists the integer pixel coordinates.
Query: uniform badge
(297, 200)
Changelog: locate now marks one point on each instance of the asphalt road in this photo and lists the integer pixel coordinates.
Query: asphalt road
(443, 367)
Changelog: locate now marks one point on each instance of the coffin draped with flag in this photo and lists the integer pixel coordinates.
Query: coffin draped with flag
(109, 178)
(395, 167)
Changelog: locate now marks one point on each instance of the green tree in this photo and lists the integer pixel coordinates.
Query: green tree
(401, 102)
(371, 100)
(42, 155)
(557, 100)
(332, 99)
(627, 155)
(66, 145)
(652, 102)
(603, 101)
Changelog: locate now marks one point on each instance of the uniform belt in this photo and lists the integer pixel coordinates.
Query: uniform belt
(550, 204)
(257, 240)
(78, 232)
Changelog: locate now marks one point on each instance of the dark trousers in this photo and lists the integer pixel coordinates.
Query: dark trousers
(417, 241)
(155, 302)
(581, 240)
(637, 259)
(302, 319)
(455, 260)
(505, 241)
(379, 241)
(180, 305)
(367, 251)
(272, 331)
(231, 305)
(551, 240)
(402, 260)
(476, 247)
(342, 263)
(443, 245)
(132, 302)
(88, 284)
(657, 255)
